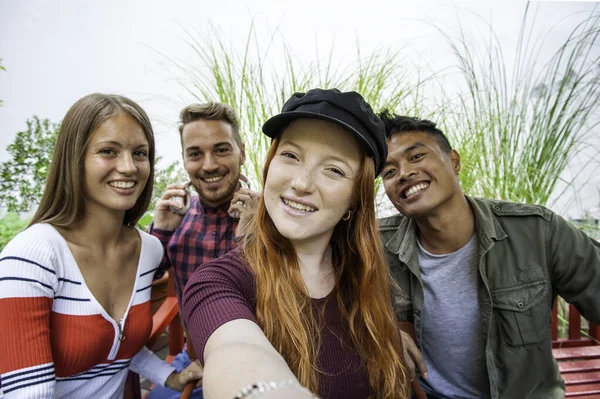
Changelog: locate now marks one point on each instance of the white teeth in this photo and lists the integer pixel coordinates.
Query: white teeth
(415, 189)
(213, 179)
(298, 206)
(122, 184)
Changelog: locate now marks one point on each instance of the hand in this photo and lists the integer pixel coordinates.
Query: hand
(412, 355)
(178, 381)
(243, 206)
(164, 217)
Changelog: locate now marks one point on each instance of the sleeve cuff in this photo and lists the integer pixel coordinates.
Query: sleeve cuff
(163, 235)
(150, 366)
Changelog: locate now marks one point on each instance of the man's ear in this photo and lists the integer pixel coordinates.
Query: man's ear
(455, 160)
(242, 154)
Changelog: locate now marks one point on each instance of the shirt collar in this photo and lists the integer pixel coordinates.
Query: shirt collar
(210, 210)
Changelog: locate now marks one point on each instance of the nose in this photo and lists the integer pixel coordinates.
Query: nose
(126, 164)
(209, 164)
(303, 181)
(407, 171)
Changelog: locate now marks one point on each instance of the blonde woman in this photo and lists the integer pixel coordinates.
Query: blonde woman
(75, 285)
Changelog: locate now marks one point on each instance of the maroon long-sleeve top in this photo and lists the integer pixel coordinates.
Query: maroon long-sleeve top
(223, 290)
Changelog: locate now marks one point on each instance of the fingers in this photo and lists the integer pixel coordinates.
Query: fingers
(417, 357)
(191, 373)
(235, 210)
(414, 355)
(174, 197)
(173, 192)
(243, 203)
(245, 194)
(411, 367)
(171, 206)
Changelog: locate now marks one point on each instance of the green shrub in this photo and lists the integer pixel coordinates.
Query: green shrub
(11, 225)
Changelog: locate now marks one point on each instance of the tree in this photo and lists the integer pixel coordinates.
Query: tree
(22, 178)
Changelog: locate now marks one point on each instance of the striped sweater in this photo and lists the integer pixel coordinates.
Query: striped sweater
(56, 340)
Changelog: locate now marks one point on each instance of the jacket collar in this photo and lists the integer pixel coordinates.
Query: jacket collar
(404, 241)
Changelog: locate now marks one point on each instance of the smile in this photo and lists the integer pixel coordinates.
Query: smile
(213, 179)
(122, 184)
(298, 206)
(415, 189)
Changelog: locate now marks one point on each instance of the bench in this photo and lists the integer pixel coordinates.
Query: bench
(167, 315)
(578, 354)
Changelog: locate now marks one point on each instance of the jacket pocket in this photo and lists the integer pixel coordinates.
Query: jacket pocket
(521, 312)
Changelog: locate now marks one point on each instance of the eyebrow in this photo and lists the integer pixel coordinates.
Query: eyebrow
(332, 157)
(217, 145)
(414, 147)
(118, 144)
(407, 150)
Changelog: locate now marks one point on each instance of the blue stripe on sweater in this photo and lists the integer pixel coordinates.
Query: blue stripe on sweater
(29, 378)
(28, 261)
(37, 370)
(28, 385)
(26, 279)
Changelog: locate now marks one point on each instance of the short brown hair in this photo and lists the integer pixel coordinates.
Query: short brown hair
(63, 200)
(212, 111)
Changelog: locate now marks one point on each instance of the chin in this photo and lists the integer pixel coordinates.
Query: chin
(288, 232)
(418, 211)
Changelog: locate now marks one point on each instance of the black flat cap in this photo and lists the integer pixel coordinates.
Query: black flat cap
(347, 109)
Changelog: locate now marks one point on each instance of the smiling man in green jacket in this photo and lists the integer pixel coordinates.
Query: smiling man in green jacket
(478, 277)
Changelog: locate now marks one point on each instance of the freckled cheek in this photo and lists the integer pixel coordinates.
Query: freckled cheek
(338, 195)
(278, 175)
(98, 166)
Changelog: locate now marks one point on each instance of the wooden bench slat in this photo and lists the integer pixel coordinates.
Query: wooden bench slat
(584, 389)
(583, 352)
(579, 366)
(583, 395)
(160, 320)
(582, 378)
(571, 343)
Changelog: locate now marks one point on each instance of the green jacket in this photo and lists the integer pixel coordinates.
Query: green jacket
(527, 255)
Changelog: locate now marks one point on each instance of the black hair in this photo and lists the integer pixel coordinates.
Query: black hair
(401, 124)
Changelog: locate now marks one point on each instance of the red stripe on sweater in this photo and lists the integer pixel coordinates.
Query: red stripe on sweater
(137, 330)
(81, 342)
(24, 332)
(31, 335)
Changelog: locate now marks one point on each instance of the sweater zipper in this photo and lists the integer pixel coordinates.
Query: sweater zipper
(119, 337)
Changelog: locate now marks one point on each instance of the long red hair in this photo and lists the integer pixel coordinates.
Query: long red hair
(284, 309)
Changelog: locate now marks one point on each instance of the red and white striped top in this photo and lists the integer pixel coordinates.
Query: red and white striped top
(56, 340)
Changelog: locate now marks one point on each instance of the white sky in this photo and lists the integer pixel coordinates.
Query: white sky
(57, 51)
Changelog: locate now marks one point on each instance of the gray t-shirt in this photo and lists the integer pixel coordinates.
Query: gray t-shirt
(452, 344)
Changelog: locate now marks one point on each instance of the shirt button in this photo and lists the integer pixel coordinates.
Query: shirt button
(520, 304)
(214, 233)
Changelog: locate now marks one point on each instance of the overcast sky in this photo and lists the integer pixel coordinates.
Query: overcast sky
(57, 51)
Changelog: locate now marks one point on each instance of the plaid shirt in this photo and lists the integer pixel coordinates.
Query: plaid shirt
(204, 234)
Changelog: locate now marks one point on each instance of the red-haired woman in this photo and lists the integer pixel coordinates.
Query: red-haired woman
(303, 307)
